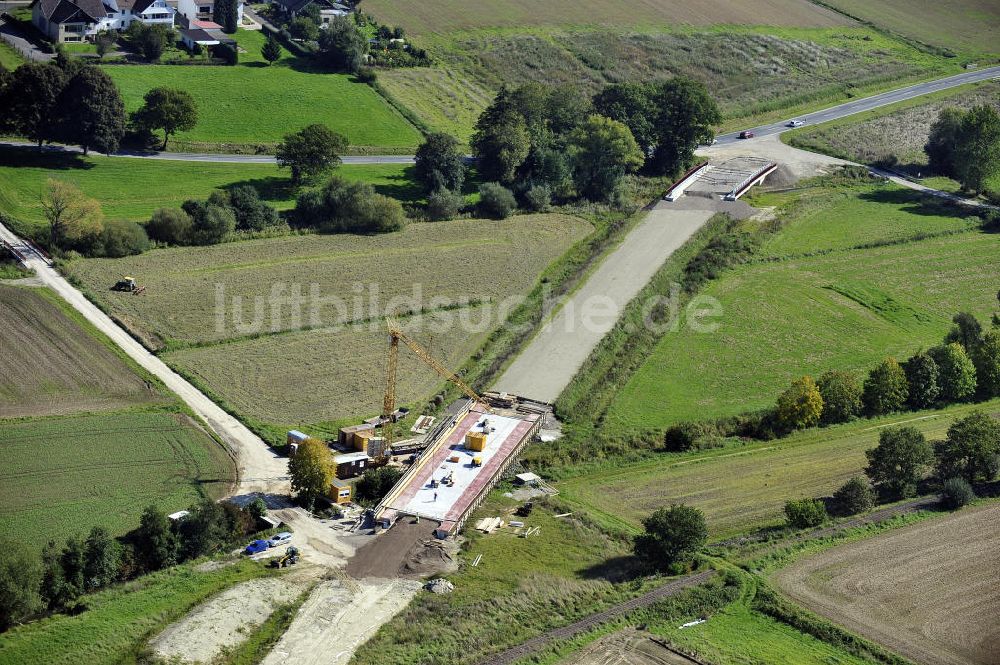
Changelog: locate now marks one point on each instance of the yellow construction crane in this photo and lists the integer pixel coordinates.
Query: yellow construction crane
(396, 335)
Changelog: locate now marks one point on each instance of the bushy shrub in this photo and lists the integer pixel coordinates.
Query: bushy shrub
(855, 496)
(171, 226)
(123, 238)
(841, 393)
(496, 201)
(444, 204)
(366, 75)
(250, 212)
(211, 222)
(347, 207)
(805, 513)
(538, 198)
(956, 492)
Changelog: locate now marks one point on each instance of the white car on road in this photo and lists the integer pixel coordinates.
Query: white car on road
(795, 123)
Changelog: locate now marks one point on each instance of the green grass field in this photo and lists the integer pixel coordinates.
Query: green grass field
(253, 105)
(118, 621)
(740, 488)
(839, 309)
(755, 73)
(9, 58)
(122, 184)
(968, 26)
(62, 475)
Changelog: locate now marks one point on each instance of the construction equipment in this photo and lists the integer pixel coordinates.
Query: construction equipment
(289, 558)
(396, 335)
(128, 285)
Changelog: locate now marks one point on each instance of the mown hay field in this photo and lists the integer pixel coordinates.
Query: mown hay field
(741, 488)
(797, 314)
(929, 591)
(969, 26)
(303, 378)
(133, 188)
(63, 475)
(894, 134)
(50, 366)
(427, 265)
(751, 72)
(448, 15)
(251, 104)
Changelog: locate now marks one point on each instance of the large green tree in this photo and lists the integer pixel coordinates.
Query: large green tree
(956, 372)
(987, 361)
(155, 542)
(311, 152)
(20, 577)
(169, 110)
(226, 14)
(92, 111)
(670, 535)
(342, 47)
(885, 390)
(977, 148)
(30, 104)
(686, 116)
(922, 377)
(900, 460)
(101, 559)
(940, 146)
(631, 103)
(841, 393)
(501, 142)
(972, 448)
(603, 151)
(440, 163)
(311, 469)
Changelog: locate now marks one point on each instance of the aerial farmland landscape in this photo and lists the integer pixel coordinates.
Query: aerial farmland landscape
(399, 332)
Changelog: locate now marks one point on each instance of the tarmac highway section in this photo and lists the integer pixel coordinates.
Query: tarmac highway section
(869, 103)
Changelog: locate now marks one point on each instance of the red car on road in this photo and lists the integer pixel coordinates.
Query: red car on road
(746, 135)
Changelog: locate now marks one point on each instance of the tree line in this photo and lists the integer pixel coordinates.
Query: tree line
(965, 145)
(80, 105)
(57, 580)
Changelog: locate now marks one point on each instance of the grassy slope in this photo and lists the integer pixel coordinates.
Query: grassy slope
(743, 487)
(841, 309)
(423, 16)
(756, 73)
(123, 186)
(961, 25)
(63, 475)
(9, 57)
(120, 620)
(252, 104)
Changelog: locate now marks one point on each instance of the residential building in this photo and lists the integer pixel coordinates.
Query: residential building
(199, 10)
(76, 20)
(328, 9)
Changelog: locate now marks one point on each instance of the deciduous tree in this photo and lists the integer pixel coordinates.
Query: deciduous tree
(686, 117)
(800, 405)
(900, 460)
(603, 151)
(922, 378)
(805, 513)
(440, 163)
(310, 152)
(956, 373)
(70, 213)
(977, 148)
(855, 496)
(311, 469)
(971, 449)
(342, 47)
(101, 559)
(92, 111)
(169, 110)
(987, 361)
(30, 104)
(885, 390)
(940, 146)
(20, 577)
(500, 143)
(155, 543)
(841, 393)
(671, 535)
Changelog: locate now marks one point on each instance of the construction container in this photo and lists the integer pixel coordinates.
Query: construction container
(361, 439)
(475, 441)
(346, 436)
(295, 437)
(340, 491)
(351, 464)
(377, 447)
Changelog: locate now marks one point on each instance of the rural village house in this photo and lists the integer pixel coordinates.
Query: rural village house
(328, 9)
(76, 20)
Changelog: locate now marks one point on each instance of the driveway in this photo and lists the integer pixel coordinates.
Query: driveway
(12, 34)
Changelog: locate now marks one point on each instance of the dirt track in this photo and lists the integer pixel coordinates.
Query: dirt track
(930, 592)
(628, 647)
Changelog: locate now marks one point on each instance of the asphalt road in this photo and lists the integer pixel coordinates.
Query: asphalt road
(869, 103)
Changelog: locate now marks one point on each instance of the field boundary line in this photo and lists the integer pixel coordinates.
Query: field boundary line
(899, 422)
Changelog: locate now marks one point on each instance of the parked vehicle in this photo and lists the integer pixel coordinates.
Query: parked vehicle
(289, 558)
(795, 123)
(282, 538)
(746, 134)
(256, 547)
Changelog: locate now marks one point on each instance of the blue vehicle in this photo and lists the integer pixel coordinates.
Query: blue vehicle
(256, 547)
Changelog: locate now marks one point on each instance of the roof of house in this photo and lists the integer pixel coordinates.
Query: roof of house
(137, 6)
(67, 11)
(198, 36)
(212, 25)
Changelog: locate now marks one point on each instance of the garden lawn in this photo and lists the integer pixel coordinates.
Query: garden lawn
(10, 59)
(252, 105)
(741, 487)
(132, 189)
(63, 475)
(119, 621)
(843, 310)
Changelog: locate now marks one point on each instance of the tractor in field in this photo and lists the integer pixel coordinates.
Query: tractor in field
(289, 558)
(128, 285)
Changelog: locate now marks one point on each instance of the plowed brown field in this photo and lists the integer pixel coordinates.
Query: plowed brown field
(930, 592)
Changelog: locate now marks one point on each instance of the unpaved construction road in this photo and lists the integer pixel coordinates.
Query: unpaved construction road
(227, 619)
(260, 469)
(554, 355)
(338, 617)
